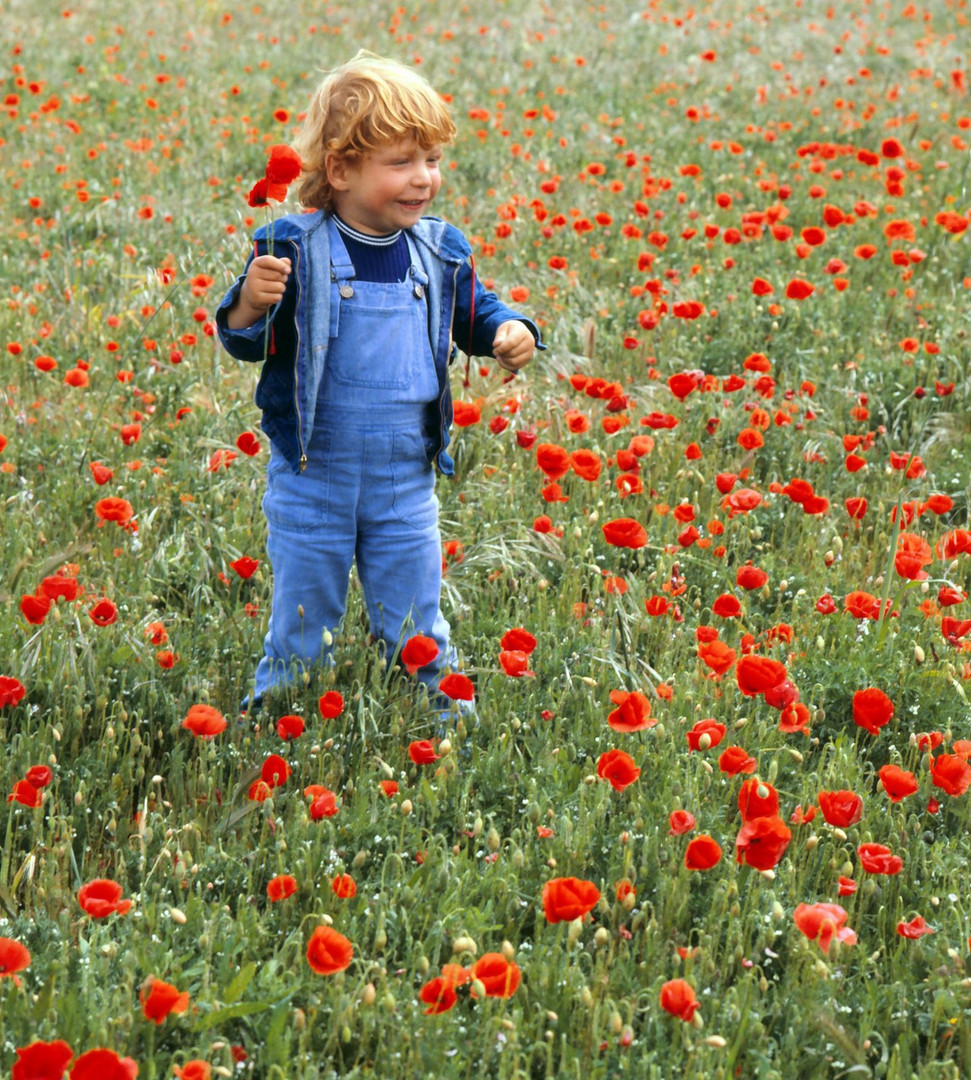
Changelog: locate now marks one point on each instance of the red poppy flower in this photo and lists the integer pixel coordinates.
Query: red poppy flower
(39, 775)
(328, 951)
(799, 289)
(618, 768)
(263, 190)
(290, 727)
(633, 712)
(389, 788)
(568, 898)
(114, 509)
(245, 566)
(757, 798)
(11, 691)
(518, 639)
(323, 801)
(418, 651)
(781, 696)
(872, 709)
(14, 957)
(954, 629)
(734, 760)
(756, 674)
(500, 977)
(103, 613)
(705, 734)
(625, 533)
(284, 164)
(422, 752)
(879, 859)
(947, 595)
(159, 999)
(681, 822)
(794, 719)
(196, 1069)
(897, 782)
(726, 606)
(26, 793)
(586, 464)
(259, 791)
(841, 808)
(717, 656)
(344, 886)
(41, 1061)
(553, 460)
(274, 771)
(100, 473)
(457, 687)
(439, 995)
(762, 842)
(248, 444)
(103, 1064)
(822, 923)
(102, 897)
(683, 383)
(702, 853)
(861, 605)
(678, 999)
(951, 773)
(750, 577)
(914, 929)
(331, 705)
(204, 721)
(280, 887)
(466, 413)
(515, 663)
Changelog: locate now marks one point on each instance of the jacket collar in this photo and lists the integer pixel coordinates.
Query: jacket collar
(434, 233)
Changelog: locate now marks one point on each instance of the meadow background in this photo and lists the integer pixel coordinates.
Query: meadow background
(744, 231)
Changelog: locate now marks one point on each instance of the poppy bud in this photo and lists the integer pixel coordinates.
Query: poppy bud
(406, 807)
(369, 995)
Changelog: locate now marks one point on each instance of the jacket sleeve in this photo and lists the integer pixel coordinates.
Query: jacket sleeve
(271, 334)
(479, 314)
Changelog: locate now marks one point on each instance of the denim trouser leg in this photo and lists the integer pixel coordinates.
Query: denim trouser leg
(399, 547)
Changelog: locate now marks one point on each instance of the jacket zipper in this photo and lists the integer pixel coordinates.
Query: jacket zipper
(441, 398)
(296, 363)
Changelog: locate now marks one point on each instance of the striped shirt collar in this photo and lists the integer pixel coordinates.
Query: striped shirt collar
(366, 238)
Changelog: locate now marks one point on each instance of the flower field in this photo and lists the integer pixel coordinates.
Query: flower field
(707, 563)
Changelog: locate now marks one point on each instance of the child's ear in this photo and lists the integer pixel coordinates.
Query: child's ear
(336, 166)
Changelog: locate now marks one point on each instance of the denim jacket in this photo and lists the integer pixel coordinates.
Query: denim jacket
(293, 338)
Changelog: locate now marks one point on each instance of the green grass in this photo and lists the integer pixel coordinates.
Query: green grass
(160, 120)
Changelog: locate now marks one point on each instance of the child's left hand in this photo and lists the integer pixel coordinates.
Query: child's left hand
(513, 345)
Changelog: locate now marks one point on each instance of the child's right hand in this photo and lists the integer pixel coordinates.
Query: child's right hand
(264, 285)
(265, 282)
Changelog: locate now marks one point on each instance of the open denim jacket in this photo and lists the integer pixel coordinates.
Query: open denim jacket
(293, 339)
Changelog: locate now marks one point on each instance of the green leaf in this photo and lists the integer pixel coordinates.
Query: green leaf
(241, 980)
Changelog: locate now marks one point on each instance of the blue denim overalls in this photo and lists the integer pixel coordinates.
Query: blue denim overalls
(368, 489)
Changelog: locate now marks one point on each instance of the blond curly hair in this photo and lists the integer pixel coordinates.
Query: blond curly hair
(365, 104)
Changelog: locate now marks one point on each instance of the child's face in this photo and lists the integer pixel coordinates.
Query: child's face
(388, 189)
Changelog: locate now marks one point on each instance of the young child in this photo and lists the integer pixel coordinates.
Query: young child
(353, 310)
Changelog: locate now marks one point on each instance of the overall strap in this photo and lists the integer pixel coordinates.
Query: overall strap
(341, 267)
